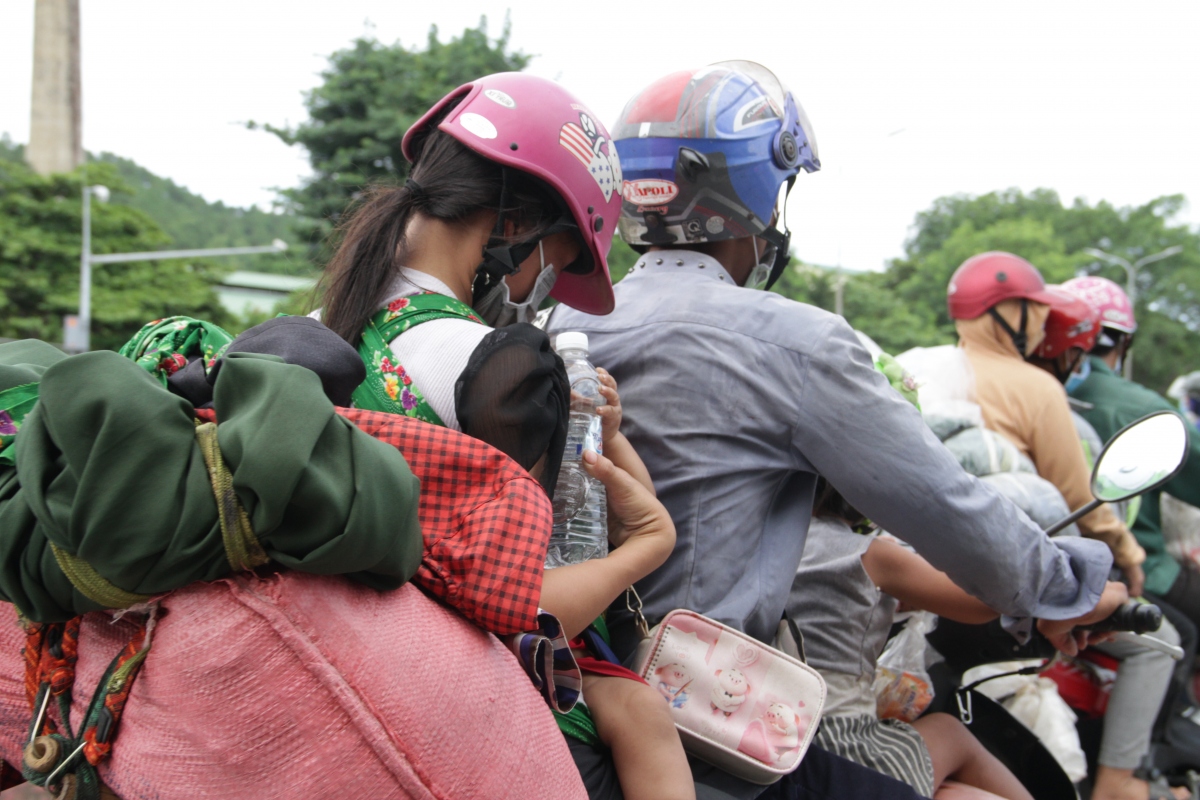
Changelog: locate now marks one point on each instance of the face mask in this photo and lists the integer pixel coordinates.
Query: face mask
(758, 276)
(497, 310)
(1076, 378)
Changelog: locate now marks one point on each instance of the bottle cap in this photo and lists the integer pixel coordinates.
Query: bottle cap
(571, 340)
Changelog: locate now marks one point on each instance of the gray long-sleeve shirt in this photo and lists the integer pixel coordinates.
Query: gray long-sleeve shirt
(738, 399)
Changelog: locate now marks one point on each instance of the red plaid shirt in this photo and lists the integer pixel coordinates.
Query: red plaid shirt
(485, 521)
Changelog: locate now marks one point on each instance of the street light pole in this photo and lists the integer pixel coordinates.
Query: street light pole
(85, 274)
(839, 291)
(1131, 273)
(82, 340)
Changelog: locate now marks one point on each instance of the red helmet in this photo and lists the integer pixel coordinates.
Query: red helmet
(989, 278)
(536, 126)
(1072, 323)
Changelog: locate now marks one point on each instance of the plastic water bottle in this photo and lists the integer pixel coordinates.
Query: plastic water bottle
(580, 507)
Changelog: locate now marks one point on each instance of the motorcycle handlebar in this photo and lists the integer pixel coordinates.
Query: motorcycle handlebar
(1131, 616)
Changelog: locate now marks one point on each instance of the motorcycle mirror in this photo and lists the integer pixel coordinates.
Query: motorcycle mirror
(1142, 456)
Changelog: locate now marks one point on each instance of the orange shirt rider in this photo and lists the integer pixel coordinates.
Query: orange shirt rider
(1029, 407)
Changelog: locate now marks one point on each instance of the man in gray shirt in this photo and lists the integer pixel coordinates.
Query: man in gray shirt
(737, 399)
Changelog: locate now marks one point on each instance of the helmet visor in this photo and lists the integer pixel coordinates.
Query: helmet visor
(766, 79)
(774, 89)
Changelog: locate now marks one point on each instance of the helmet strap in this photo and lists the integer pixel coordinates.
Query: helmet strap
(1064, 374)
(1019, 338)
(502, 258)
(782, 241)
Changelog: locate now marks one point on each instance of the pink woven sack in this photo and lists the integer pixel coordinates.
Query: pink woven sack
(301, 685)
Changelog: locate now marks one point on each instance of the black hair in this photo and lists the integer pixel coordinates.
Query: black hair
(1118, 339)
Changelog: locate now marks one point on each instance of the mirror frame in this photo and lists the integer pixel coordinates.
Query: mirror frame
(1183, 461)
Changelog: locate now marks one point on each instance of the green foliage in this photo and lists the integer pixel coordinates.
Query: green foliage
(10, 150)
(370, 95)
(621, 259)
(869, 304)
(40, 223)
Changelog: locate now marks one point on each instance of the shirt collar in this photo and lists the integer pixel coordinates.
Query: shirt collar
(681, 261)
(411, 281)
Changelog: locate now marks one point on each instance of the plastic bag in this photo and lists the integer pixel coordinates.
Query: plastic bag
(1036, 496)
(1035, 702)
(983, 452)
(903, 689)
(949, 418)
(1181, 530)
(943, 373)
(1039, 707)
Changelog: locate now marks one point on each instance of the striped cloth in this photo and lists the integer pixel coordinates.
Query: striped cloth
(888, 746)
(547, 659)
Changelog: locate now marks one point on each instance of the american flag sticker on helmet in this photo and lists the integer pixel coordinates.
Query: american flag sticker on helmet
(577, 142)
(583, 141)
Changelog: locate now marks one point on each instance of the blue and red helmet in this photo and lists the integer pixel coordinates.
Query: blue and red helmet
(704, 153)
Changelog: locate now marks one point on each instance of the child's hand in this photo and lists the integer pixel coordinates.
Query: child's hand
(610, 414)
(640, 517)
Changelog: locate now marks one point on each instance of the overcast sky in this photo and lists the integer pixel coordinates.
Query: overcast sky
(910, 101)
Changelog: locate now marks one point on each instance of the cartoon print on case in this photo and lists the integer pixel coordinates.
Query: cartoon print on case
(729, 691)
(583, 140)
(673, 682)
(776, 733)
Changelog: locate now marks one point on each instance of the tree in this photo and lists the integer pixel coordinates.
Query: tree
(370, 95)
(869, 305)
(40, 243)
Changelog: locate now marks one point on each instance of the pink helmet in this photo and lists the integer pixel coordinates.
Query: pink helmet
(534, 125)
(1109, 300)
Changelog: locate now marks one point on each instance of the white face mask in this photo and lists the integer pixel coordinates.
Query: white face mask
(758, 276)
(497, 310)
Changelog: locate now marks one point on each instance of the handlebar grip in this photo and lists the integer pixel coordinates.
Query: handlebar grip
(1131, 616)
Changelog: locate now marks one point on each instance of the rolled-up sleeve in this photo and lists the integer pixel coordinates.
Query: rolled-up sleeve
(874, 447)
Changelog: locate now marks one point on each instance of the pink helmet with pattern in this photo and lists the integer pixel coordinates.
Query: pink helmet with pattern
(1109, 300)
(534, 125)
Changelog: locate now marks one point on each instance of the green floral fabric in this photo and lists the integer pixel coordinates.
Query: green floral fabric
(20, 371)
(388, 386)
(164, 346)
(15, 403)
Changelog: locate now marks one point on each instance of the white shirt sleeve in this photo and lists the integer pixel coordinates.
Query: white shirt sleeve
(434, 354)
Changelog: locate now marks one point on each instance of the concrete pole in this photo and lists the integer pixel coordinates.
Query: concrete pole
(839, 290)
(55, 126)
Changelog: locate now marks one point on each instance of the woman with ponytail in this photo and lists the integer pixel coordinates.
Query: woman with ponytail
(513, 196)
